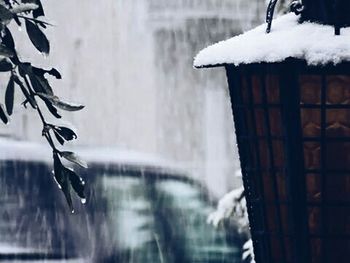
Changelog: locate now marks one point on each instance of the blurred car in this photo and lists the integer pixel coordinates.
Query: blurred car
(135, 212)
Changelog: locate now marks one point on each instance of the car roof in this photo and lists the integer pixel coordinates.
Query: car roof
(36, 152)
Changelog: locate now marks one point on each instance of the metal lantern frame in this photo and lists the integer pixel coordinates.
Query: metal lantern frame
(288, 226)
(328, 12)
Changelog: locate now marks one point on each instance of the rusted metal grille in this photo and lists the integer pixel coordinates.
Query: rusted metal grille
(293, 132)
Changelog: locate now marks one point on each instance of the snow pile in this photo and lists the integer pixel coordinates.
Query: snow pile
(312, 42)
(233, 203)
(248, 251)
(233, 206)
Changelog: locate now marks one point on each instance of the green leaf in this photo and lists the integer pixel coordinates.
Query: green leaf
(72, 157)
(61, 104)
(3, 116)
(10, 96)
(5, 65)
(5, 51)
(37, 37)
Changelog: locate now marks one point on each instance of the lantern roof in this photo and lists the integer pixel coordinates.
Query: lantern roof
(314, 43)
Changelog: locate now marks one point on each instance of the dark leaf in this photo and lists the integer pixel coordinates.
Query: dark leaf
(35, 84)
(77, 183)
(54, 72)
(24, 69)
(57, 165)
(38, 75)
(5, 14)
(5, 51)
(66, 188)
(37, 37)
(37, 78)
(10, 96)
(5, 65)
(61, 175)
(66, 191)
(42, 24)
(41, 72)
(59, 138)
(3, 116)
(38, 71)
(65, 132)
(40, 84)
(39, 11)
(61, 104)
(72, 157)
(18, 22)
(51, 108)
(25, 92)
(7, 40)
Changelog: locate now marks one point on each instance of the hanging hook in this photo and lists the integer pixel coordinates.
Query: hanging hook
(296, 7)
(269, 14)
(336, 11)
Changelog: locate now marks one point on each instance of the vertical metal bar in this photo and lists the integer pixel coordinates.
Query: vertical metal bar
(267, 240)
(272, 162)
(295, 174)
(336, 14)
(245, 154)
(323, 167)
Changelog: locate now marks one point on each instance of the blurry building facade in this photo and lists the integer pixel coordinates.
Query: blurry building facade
(130, 63)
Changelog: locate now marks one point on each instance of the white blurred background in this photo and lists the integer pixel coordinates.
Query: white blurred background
(130, 63)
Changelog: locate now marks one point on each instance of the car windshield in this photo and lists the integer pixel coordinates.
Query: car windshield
(131, 215)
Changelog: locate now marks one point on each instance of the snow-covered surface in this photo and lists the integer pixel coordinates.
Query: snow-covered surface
(315, 43)
(13, 249)
(248, 251)
(29, 151)
(230, 205)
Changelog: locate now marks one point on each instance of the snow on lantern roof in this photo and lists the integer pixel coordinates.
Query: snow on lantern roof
(314, 43)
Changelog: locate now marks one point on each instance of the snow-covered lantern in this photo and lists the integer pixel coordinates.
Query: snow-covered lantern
(290, 91)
